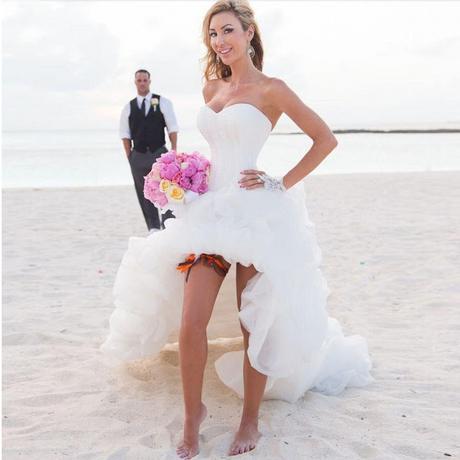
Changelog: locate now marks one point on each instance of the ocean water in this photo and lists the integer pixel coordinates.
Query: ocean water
(96, 158)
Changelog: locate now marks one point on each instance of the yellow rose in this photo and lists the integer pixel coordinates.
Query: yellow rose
(164, 185)
(176, 194)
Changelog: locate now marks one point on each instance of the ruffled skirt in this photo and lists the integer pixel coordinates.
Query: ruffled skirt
(292, 339)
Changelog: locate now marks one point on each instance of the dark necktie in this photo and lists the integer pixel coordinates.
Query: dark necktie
(143, 107)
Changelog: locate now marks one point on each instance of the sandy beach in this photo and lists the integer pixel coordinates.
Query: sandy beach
(390, 245)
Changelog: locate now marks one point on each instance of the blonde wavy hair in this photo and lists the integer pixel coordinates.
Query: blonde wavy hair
(245, 14)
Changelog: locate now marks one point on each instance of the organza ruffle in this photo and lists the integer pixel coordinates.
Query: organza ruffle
(292, 339)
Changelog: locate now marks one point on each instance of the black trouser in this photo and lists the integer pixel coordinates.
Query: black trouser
(141, 164)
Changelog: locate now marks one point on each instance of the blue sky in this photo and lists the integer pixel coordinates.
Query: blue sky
(69, 65)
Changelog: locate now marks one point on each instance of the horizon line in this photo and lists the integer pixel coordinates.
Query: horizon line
(335, 131)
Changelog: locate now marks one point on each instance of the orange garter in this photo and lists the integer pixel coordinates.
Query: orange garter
(211, 260)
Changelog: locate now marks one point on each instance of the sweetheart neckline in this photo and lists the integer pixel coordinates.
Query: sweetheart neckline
(242, 103)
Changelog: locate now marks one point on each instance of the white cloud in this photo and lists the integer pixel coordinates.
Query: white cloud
(353, 62)
(56, 48)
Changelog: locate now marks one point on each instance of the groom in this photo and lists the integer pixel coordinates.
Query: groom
(142, 124)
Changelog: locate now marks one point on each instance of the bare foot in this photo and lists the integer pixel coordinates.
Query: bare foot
(245, 439)
(188, 447)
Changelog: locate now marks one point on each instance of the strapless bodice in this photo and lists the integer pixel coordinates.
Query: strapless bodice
(235, 136)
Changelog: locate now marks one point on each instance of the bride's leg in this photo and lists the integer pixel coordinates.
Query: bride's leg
(254, 382)
(200, 292)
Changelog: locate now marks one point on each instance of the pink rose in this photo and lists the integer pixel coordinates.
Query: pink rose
(162, 199)
(190, 170)
(157, 198)
(203, 164)
(155, 172)
(168, 157)
(204, 184)
(170, 171)
(177, 178)
(151, 190)
(203, 188)
(185, 182)
(197, 179)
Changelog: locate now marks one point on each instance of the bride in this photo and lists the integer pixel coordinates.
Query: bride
(170, 280)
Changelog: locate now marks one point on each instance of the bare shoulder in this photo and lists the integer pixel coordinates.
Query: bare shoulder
(281, 97)
(276, 89)
(276, 93)
(209, 89)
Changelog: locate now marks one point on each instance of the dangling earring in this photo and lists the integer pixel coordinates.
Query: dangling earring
(251, 51)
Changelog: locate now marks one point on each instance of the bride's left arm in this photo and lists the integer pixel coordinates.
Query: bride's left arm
(284, 99)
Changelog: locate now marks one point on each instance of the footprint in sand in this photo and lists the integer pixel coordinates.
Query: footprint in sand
(365, 451)
(214, 431)
(158, 440)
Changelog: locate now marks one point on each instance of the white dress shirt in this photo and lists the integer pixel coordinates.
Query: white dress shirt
(165, 106)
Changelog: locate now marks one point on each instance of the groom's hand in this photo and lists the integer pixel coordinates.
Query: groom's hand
(127, 146)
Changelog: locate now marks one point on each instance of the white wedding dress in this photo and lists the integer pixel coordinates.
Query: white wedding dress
(292, 339)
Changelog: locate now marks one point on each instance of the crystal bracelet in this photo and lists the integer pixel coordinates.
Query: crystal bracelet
(272, 183)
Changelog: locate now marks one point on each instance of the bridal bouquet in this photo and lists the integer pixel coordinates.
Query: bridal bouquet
(176, 178)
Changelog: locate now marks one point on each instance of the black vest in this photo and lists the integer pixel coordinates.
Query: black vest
(147, 131)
